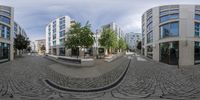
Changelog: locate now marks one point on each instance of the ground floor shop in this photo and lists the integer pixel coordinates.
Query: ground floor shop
(183, 52)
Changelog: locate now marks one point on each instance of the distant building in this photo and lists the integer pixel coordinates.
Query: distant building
(19, 30)
(32, 45)
(132, 39)
(40, 46)
(113, 26)
(55, 35)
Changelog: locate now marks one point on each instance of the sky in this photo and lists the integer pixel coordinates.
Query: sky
(34, 15)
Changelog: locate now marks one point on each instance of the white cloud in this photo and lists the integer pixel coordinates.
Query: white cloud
(33, 15)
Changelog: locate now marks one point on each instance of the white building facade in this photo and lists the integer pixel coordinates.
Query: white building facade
(6, 33)
(56, 35)
(113, 26)
(171, 34)
(132, 39)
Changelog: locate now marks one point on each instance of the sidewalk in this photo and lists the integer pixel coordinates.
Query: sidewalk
(101, 67)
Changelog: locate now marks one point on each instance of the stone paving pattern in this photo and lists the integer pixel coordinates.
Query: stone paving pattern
(23, 79)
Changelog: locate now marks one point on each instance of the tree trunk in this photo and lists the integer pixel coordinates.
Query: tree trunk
(77, 53)
(84, 52)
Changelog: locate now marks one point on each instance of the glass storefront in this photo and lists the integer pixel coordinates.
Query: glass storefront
(4, 51)
(197, 53)
(169, 52)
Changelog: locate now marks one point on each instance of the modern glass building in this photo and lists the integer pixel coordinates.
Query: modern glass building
(171, 34)
(55, 35)
(6, 30)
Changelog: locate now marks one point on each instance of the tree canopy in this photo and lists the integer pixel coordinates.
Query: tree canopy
(121, 43)
(79, 36)
(21, 42)
(108, 39)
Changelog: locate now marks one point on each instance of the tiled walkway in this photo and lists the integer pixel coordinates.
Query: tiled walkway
(24, 79)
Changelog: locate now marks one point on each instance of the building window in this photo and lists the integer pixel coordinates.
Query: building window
(49, 51)
(4, 51)
(149, 20)
(169, 52)
(62, 41)
(62, 20)
(5, 13)
(4, 32)
(54, 27)
(197, 17)
(54, 36)
(62, 27)
(168, 17)
(143, 41)
(54, 43)
(169, 30)
(62, 51)
(149, 27)
(197, 52)
(150, 51)
(4, 19)
(150, 37)
(62, 33)
(197, 29)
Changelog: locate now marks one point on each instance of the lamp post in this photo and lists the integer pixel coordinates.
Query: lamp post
(96, 40)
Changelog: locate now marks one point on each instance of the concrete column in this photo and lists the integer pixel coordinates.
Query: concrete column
(11, 35)
(57, 51)
(186, 52)
(156, 52)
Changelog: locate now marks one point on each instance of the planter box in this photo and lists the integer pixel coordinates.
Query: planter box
(72, 61)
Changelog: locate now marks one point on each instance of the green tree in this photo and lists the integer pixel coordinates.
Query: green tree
(108, 39)
(21, 42)
(79, 36)
(72, 40)
(86, 37)
(121, 44)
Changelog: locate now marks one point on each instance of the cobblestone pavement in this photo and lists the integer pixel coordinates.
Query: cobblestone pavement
(24, 79)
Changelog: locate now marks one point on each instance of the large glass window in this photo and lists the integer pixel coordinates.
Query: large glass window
(168, 17)
(150, 37)
(169, 52)
(54, 27)
(169, 30)
(4, 51)
(197, 17)
(5, 19)
(4, 32)
(197, 52)
(197, 29)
